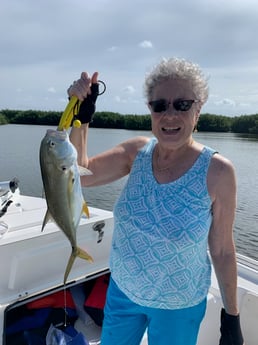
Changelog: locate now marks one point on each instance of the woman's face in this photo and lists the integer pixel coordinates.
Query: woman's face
(173, 128)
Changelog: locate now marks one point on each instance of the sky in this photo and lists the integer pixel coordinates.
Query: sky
(46, 44)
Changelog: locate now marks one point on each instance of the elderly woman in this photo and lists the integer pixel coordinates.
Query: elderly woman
(179, 199)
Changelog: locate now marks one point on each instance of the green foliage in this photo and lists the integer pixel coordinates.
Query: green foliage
(207, 122)
(214, 123)
(116, 120)
(107, 120)
(245, 124)
(32, 117)
(3, 119)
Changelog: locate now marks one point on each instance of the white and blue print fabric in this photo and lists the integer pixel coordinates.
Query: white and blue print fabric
(159, 249)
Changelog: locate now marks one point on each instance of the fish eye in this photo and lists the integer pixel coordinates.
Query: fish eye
(52, 143)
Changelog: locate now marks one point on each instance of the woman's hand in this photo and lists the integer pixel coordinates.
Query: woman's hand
(86, 89)
(230, 329)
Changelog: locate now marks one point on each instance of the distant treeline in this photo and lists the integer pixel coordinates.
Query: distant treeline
(207, 122)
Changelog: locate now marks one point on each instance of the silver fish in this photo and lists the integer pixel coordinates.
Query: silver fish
(61, 181)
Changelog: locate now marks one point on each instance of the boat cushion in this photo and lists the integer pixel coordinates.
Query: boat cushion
(95, 301)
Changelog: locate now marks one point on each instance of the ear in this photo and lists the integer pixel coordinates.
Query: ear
(196, 122)
(197, 116)
(196, 119)
(198, 113)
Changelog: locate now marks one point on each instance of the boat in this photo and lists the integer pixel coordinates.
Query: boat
(33, 262)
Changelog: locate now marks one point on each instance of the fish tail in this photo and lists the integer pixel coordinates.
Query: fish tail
(76, 252)
(85, 209)
(46, 219)
(83, 254)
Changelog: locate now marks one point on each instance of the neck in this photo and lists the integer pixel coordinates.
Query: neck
(166, 158)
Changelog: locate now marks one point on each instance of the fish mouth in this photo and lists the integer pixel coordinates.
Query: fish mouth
(57, 134)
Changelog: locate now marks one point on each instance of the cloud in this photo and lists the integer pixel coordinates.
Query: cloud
(112, 49)
(145, 44)
(118, 99)
(226, 101)
(51, 89)
(51, 43)
(129, 89)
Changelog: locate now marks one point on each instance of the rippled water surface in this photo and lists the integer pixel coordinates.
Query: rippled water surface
(19, 150)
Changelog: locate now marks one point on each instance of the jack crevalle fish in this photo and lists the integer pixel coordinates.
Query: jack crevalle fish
(61, 181)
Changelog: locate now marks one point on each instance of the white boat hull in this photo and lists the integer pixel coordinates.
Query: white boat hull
(32, 264)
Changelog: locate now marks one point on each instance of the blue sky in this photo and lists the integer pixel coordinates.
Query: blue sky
(45, 44)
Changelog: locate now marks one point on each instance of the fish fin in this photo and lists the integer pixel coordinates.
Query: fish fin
(46, 219)
(70, 188)
(84, 171)
(85, 209)
(69, 265)
(76, 252)
(81, 253)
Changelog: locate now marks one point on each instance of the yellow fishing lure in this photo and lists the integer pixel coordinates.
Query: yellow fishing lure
(72, 110)
(68, 114)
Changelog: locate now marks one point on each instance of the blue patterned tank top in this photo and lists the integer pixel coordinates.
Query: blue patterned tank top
(159, 250)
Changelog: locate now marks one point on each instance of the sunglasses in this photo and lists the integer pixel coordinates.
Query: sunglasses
(161, 105)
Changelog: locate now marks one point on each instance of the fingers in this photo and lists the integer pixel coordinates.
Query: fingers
(94, 78)
(81, 87)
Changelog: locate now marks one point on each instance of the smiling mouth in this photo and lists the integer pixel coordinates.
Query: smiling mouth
(170, 129)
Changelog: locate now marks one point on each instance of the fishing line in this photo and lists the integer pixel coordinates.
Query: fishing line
(65, 306)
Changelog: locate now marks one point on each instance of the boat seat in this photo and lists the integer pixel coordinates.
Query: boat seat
(209, 330)
(249, 318)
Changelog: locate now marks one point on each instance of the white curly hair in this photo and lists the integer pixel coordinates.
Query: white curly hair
(176, 68)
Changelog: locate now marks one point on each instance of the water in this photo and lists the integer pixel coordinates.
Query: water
(19, 151)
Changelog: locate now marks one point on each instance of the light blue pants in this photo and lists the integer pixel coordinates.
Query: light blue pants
(125, 322)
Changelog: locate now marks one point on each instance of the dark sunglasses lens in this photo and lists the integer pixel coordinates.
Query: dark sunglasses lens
(183, 105)
(159, 106)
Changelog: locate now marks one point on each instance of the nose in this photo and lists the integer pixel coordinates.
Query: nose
(171, 111)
